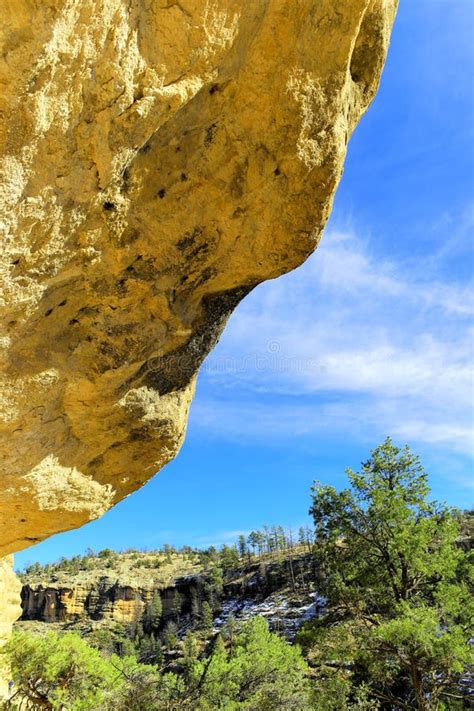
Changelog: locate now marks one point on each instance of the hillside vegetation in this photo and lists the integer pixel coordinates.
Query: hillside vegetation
(393, 630)
(161, 567)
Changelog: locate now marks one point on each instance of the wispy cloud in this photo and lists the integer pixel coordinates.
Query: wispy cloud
(367, 345)
(219, 538)
(347, 267)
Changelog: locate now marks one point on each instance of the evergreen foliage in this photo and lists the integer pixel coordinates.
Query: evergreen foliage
(206, 623)
(153, 613)
(261, 671)
(394, 568)
(59, 672)
(397, 583)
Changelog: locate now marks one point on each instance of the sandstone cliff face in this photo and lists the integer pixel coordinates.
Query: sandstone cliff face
(9, 596)
(158, 160)
(104, 600)
(9, 607)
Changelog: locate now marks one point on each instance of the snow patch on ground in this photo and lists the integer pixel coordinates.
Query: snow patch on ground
(284, 614)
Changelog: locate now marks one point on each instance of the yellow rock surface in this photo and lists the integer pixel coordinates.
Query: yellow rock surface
(10, 610)
(109, 600)
(158, 160)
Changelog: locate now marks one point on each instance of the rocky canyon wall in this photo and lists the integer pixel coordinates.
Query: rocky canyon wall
(105, 599)
(159, 159)
(117, 598)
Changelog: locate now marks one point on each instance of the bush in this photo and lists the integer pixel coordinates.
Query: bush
(58, 671)
(262, 671)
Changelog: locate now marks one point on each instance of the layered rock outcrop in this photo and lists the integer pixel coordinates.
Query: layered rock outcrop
(159, 159)
(106, 599)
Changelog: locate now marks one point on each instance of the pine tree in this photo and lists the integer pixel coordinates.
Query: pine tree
(229, 557)
(302, 536)
(195, 605)
(260, 542)
(176, 605)
(242, 546)
(54, 671)
(309, 538)
(252, 541)
(170, 635)
(153, 613)
(146, 649)
(282, 538)
(229, 632)
(262, 672)
(290, 561)
(267, 538)
(216, 586)
(207, 617)
(190, 655)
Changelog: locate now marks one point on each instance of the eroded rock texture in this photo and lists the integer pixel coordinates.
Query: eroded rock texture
(10, 610)
(107, 599)
(10, 588)
(159, 159)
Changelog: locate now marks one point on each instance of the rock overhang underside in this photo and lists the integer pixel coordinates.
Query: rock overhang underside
(158, 160)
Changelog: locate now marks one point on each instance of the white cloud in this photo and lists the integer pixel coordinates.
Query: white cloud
(347, 267)
(366, 421)
(366, 344)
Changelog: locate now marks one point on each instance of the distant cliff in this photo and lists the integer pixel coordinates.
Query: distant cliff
(104, 599)
(281, 587)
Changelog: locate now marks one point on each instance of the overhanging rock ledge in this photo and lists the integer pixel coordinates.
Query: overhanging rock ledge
(158, 160)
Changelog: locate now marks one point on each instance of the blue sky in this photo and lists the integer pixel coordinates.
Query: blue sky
(372, 336)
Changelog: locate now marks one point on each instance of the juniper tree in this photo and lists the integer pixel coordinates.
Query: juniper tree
(58, 671)
(261, 671)
(397, 585)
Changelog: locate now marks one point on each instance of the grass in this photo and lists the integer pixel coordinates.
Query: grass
(131, 568)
